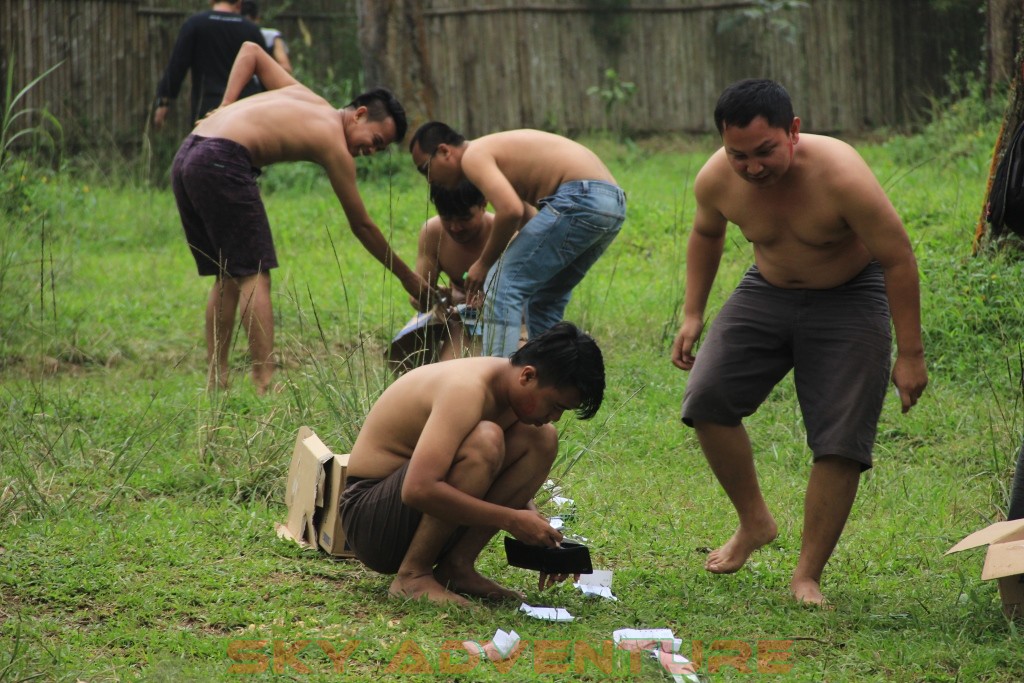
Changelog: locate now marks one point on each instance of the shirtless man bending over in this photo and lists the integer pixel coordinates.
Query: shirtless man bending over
(214, 179)
(556, 192)
(832, 259)
(453, 452)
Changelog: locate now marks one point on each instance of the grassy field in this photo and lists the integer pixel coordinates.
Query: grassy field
(137, 511)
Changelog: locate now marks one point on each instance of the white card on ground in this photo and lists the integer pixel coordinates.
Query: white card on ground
(546, 613)
(599, 583)
(504, 643)
(646, 638)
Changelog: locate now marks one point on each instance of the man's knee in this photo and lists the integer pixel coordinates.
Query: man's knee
(484, 447)
(541, 443)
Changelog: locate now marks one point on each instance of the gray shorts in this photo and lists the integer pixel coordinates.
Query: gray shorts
(837, 342)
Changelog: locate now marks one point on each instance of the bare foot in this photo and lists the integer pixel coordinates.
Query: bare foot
(808, 591)
(424, 586)
(735, 552)
(471, 582)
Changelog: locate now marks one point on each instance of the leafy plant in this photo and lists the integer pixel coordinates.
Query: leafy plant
(767, 14)
(613, 92)
(41, 132)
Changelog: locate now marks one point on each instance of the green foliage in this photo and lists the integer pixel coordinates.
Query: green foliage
(610, 24)
(959, 127)
(15, 119)
(614, 93)
(765, 16)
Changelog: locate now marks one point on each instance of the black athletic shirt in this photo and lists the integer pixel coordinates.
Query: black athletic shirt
(207, 44)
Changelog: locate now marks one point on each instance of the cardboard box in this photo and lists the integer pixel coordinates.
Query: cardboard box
(1004, 561)
(316, 479)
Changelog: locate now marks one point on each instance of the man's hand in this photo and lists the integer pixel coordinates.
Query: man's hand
(159, 117)
(548, 580)
(530, 527)
(910, 377)
(686, 339)
(475, 277)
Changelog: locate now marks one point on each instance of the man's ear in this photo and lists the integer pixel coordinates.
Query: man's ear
(794, 129)
(527, 373)
(360, 113)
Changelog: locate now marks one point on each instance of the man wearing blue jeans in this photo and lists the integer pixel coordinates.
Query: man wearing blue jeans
(558, 195)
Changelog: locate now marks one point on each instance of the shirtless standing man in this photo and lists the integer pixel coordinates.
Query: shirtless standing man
(214, 179)
(558, 194)
(453, 452)
(832, 259)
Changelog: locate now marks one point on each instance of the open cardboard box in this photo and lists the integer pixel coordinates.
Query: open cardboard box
(316, 479)
(1004, 561)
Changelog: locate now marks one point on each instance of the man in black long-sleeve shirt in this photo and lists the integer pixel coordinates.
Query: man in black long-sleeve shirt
(207, 45)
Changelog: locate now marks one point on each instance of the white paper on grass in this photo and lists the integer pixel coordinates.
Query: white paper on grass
(546, 613)
(504, 643)
(598, 583)
(646, 638)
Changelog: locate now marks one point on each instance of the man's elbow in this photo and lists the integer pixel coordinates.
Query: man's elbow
(415, 495)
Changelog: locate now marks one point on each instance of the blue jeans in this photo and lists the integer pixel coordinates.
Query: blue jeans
(533, 280)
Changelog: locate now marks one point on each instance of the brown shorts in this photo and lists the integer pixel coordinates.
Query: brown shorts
(837, 342)
(378, 526)
(219, 201)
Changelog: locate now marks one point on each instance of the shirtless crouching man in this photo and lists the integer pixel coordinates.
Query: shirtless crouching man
(832, 259)
(453, 452)
(557, 193)
(214, 179)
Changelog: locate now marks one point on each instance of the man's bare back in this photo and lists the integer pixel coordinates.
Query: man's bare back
(394, 428)
(534, 162)
(288, 124)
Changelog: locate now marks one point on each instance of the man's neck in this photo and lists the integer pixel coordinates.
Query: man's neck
(234, 7)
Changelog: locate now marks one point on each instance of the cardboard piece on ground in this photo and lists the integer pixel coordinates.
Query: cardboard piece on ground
(1004, 560)
(332, 534)
(316, 479)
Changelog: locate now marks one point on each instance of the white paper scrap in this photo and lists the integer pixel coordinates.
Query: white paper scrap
(598, 583)
(677, 666)
(546, 613)
(556, 522)
(646, 638)
(504, 643)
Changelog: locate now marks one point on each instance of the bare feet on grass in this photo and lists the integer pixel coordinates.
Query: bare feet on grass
(424, 586)
(469, 581)
(808, 591)
(735, 552)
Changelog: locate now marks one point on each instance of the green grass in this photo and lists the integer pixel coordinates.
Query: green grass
(137, 511)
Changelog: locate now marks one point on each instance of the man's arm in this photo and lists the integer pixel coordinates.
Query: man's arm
(253, 60)
(703, 254)
(481, 169)
(453, 416)
(427, 265)
(170, 83)
(341, 170)
(870, 214)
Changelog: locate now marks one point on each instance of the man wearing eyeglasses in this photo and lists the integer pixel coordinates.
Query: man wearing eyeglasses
(579, 210)
(214, 179)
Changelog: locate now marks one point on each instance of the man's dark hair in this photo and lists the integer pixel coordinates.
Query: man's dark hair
(744, 101)
(565, 356)
(250, 10)
(459, 203)
(434, 133)
(382, 104)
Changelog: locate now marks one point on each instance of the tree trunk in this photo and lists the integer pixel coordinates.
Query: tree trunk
(1004, 17)
(393, 43)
